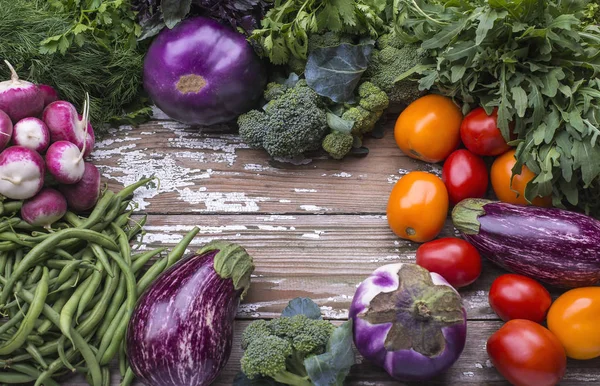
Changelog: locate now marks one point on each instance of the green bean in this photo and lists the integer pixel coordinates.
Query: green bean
(89, 291)
(8, 246)
(179, 249)
(35, 354)
(3, 259)
(66, 272)
(137, 227)
(128, 190)
(14, 320)
(105, 376)
(128, 378)
(45, 377)
(72, 282)
(31, 371)
(57, 307)
(90, 358)
(64, 254)
(113, 307)
(10, 236)
(35, 275)
(9, 224)
(72, 218)
(101, 256)
(110, 334)
(49, 244)
(9, 377)
(98, 210)
(35, 339)
(28, 323)
(113, 211)
(68, 311)
(62, 355)
(122, 358)
(151, 274)
(11, 207)
(123, 242)
(123, 219)
(141, 259)
(99, 311)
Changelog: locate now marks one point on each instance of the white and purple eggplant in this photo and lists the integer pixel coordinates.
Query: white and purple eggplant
(409, 321)
(181, 330)
(555, 246)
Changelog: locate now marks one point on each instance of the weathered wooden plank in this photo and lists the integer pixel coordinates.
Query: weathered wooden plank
(321, 257)
(472, 368)
(213, 171)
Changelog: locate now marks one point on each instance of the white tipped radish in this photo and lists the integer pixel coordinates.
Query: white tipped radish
(20, 99)
(6, 129)
(45, 208)
(31, 133)
(50, 95)
(65, 124)
(84, 194)
(21, 173)
(65, 162)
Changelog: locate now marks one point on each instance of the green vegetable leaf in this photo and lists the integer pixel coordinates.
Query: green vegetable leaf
(302, 306)
(345, 8)
(334, 72)
(338, 124)
(589, 160)
(520, 98)
(486, 23)
(174, 11)
(333, 366)
(445, 35)
(329, 18)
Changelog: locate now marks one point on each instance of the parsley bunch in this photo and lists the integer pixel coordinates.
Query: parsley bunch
(537, 61)
(286, 27)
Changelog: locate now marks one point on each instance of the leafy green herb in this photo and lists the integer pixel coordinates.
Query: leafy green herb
(286, 27)
(174, 11)
(536, 62)
(334, 72)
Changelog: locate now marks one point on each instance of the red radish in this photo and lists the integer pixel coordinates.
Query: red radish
(84, 194)
(21, 173)
(64, 161)
(31, 133)
(49, 93)
(19, 98)
(65, 124)
(6, 129)
(45, 208)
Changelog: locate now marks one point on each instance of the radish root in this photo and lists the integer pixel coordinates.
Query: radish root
(13, 74)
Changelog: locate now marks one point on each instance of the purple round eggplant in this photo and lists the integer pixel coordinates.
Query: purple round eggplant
(555, 246)
(180, 332)
(409, 321)
(202, 72)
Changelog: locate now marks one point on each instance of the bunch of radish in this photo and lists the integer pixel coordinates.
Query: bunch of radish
(40, 134)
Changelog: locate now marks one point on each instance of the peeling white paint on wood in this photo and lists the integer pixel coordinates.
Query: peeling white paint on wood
(313, 208)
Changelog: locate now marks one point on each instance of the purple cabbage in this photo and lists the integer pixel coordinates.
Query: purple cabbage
(181, 330)
(409, 321)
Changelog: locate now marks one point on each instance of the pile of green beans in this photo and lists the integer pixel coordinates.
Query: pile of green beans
(67, 294)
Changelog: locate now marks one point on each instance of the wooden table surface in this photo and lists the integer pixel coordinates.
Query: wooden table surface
(315, 230)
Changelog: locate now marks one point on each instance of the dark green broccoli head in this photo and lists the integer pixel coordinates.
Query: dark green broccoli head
(313, 337)
(364, 120)
(327, 39)
(372, 98)
(338, 144)
(266, 357)
(255, 330)
(274, 90)
(390, 60)
(253, 126)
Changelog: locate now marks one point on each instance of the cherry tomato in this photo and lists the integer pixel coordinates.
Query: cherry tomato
(515, 296)
(455, 259)
(500, 176)
(480, 134)
(418, 206)
(527, 354)
(465, 175)
(574, 318)
(429, 128)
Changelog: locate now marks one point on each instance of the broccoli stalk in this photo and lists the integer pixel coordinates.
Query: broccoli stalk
(277, 348)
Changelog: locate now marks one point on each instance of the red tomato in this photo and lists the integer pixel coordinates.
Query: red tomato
(527, 354)
(480, 134)
(515, 296)
(455, 259)
(465, 175)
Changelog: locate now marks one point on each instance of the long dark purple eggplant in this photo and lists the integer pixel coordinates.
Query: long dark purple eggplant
(180, 332)
(555, 246)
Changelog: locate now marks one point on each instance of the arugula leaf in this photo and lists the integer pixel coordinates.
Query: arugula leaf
(333, 366)
(336, 123)
(302, 306)
(174, 11)
(334, 72)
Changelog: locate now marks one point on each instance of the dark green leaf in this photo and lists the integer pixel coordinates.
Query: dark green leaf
(302, 306)
(329, 18)
(174, 11)
(552, 123)
(457, 72)
(333, 366)
(345, 9)
(570, 192)
(564, 22)
(334, 72)
(338, 124)
(426, 82)
(445, 35)
(520, 98)
(486, 23)
(539, 133)
(461, 50)
(589, 160)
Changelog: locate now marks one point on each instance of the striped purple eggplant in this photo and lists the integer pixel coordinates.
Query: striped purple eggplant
(180, 333)
(409, 321)
(555, 246)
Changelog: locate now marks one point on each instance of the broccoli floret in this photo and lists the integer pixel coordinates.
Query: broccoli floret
(327, 39)
(338, 144)
(274, 90)
(372, 98)
(281, 345)
(364, 120)
(291, 124)
(391, 59)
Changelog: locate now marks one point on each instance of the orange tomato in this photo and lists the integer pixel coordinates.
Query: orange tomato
(575, 320)
(429, 128)
(418, 207)
(515, 193)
